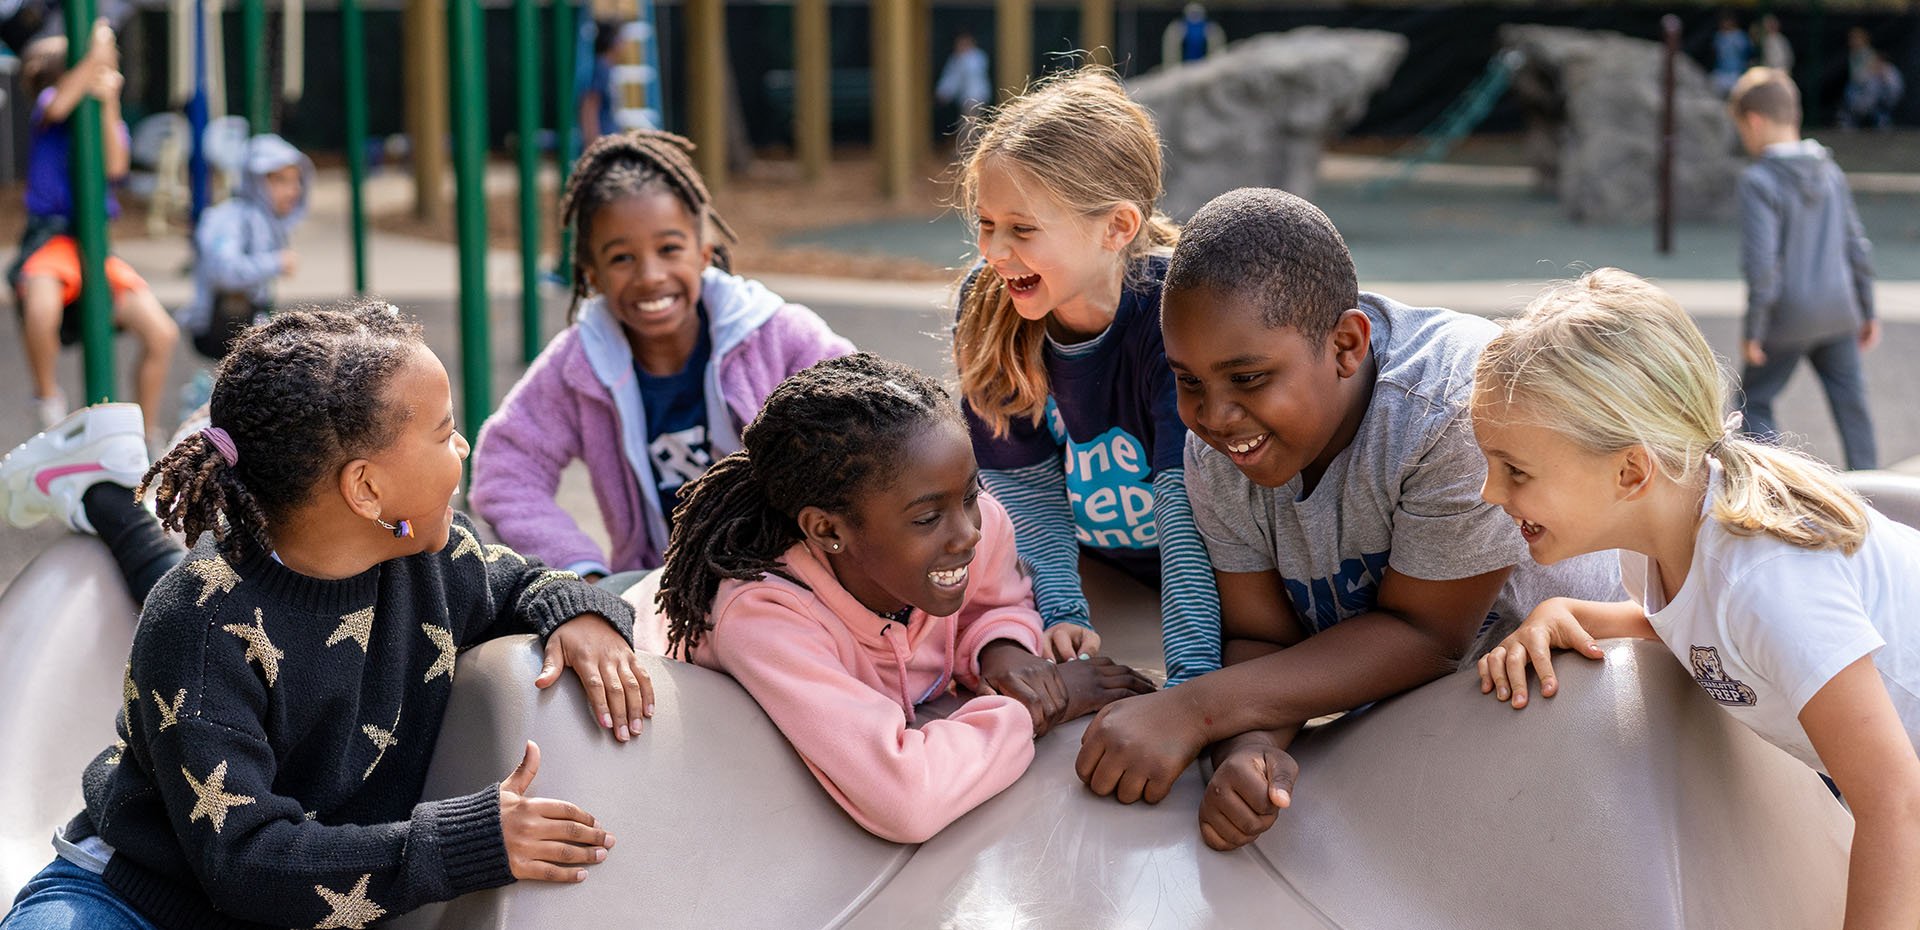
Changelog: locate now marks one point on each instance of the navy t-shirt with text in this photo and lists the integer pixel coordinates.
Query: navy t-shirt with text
(676, 407)
(1112, 422)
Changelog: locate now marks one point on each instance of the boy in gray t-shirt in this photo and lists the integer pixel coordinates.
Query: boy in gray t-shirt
(1334, 476)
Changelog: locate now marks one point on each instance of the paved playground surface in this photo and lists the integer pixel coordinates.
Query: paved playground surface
(1479, 247)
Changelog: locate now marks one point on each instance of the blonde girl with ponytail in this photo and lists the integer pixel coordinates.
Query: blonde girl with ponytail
(1789, 599)
(1065, 384)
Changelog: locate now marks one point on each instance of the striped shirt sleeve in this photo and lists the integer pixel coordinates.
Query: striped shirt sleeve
(1189, 603)
(1036, 500)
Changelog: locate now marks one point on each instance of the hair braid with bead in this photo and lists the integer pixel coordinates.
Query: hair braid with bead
(625, 164)
(300, 395)
(825, 436)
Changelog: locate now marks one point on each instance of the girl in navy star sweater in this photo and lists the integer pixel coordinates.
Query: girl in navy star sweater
(288, 679)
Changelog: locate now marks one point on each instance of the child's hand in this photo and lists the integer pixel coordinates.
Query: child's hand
(617, 687)
(1007, 668)
(1249, 789)
(546, 837)
(1870, 334)
(106, 85)
(1136, 748)
(1071, 641)
(1094, 683)
(290, 263)
(1754, 353)
(1551, 626)
(103, 47)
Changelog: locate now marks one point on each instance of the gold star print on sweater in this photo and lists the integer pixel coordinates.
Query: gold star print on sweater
(449, 651)
(215, 575)
(546, 578)
(213, 799)
(170, 715)
(352, 910)
(129, 695)
(470, 545)
(259, 648)
(119, 751)
(357, 626)
(383, 740)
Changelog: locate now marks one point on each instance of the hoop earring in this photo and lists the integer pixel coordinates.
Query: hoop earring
(400, 530)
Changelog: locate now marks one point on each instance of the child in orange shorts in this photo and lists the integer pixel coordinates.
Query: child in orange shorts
(47, 281)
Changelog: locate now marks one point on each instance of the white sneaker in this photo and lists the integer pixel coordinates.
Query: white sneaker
(46, 475)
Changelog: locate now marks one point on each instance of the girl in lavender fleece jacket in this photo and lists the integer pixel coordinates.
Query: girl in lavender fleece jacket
(669, 357)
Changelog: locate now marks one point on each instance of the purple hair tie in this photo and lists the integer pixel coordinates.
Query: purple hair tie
(223, 444)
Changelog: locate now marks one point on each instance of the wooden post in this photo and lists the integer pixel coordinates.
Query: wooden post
(919, 64)
(1096, 30)
(428, 98)
(812, 87)
(707, 87)
(1013, 45)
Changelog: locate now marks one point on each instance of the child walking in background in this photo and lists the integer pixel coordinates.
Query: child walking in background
(669, 357)
(1788, 598)
(1065, 383)
(46, 275)
(1808, 265)
(845, 567)
(288, 678)
(245, 243)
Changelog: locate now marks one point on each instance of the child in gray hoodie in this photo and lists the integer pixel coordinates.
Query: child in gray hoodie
(244, 245)
(1808, 265)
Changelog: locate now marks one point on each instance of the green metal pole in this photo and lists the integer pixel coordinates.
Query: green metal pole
(565, 32)
(253, 31)
(466, 56)
(353, 59)
(526, 27)
(87, 172)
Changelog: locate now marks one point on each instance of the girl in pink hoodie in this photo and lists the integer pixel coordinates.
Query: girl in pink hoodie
(845, 567)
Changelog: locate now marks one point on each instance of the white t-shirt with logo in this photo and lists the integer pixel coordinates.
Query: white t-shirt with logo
(1763, 624)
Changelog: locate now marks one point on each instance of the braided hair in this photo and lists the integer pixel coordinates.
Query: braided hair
(824, 437)
(624, 164)
(299, 396)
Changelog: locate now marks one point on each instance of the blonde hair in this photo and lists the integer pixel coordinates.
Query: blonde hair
(1611, 362)
(1091, 148)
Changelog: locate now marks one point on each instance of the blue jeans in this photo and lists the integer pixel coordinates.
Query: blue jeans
(1838, 364)
(65, 896)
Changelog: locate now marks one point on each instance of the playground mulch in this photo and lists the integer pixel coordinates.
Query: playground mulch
(766, 205)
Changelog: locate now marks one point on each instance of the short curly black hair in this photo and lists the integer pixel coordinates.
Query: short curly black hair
(1274, 249)
(299, 395)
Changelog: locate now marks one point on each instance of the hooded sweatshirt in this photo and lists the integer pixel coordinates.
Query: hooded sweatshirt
(841, 683)
(1807, 261)
(581, 400)
(239, 241)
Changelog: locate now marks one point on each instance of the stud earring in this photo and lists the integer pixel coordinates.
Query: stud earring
(834, 548)
(400, 530)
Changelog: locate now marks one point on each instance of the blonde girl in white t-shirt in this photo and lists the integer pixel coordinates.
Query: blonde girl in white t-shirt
(1788, 599)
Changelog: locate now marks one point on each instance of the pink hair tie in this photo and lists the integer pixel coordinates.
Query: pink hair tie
(223, 444)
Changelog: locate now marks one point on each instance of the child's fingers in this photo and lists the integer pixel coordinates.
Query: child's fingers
(1517, 675)
(565, 853)
(522, 777)
(1282, 771)
(644, 683)
(1543, 666)
(1496, 666)
(551, 662)
(1486, 680)
(537, 871)
(614, 687)
(596, 694)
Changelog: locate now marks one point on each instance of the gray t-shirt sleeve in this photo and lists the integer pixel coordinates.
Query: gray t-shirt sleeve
(1442, 528)
(1227, 512)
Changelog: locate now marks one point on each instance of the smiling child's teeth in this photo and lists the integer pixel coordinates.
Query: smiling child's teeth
(950, 577)
(656, 305)
(1245, 445)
